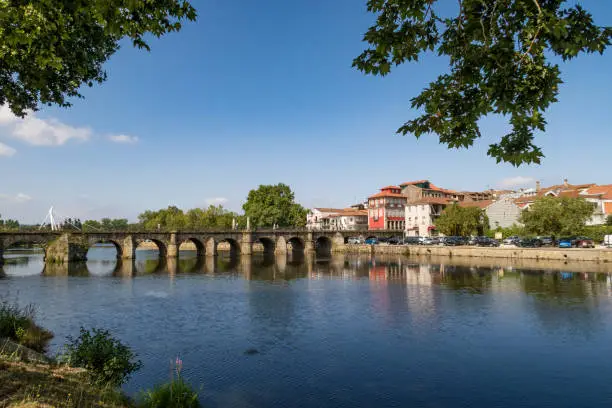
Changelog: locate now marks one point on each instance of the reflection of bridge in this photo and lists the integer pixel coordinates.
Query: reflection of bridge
(72, 247)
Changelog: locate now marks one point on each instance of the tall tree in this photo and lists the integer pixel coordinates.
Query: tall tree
(462, 221)
(557, 216)
(274, 204)
(499, 52)
(50, 48)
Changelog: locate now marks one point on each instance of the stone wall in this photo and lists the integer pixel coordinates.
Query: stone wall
(555, 254)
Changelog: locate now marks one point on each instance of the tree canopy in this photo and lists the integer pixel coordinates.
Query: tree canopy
(462, 221)
(8, 224)
(274, 204)
(50, 48)
(502, 56)
(557, 216)
(174, 219)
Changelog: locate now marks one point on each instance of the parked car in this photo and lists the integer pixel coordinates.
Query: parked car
(395, 241)
(355, 240)
(584, 242)
(486, 242)
(455, 241)
(427, 241)
(547, 241)
(530, 243)
(513, 240)
(372, 241)
(566, 242)
(412, 240)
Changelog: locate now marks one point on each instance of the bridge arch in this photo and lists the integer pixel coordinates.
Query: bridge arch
(161, 246)
(197, 243)
(323, 246)
(269, 246)
(296, 245)
(94, 242)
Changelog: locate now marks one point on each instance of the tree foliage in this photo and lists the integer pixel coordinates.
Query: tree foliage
(173, 218)
(462, 221)
(500, 63)
(106, 224)
(274, 204)
(563, 216)
(49, 48)
(609, 220)
(8, 224)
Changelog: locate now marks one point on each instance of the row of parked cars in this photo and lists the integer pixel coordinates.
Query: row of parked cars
(446, 241)
(537, 242)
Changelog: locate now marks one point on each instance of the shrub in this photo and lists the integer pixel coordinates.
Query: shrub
(175, 394)
(108, 361)
(18, 325)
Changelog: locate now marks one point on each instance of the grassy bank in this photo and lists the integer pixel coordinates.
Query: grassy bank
(26, 384)
(89, 372)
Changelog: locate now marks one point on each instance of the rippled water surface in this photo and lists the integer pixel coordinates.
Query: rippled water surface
(350, 331)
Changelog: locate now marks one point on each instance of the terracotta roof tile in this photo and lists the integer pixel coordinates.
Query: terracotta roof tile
(329, 210)
(387, 194)
(479, 204)
(414, 182)
(604, 190)
(391, 188)
(608, 208)
(431, 200)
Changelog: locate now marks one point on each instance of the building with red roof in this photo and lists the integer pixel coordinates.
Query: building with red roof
(386, 209)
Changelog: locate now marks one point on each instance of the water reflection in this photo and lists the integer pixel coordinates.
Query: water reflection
(368, 331)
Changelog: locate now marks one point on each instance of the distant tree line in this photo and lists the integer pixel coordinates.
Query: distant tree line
(8, 225)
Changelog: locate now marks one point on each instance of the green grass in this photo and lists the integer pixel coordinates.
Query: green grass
(175, 394)
(29, 385)
(18, 325)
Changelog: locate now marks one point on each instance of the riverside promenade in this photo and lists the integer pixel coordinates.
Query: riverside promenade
(597, 255)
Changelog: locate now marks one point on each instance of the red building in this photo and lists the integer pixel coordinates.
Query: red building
(386, 210)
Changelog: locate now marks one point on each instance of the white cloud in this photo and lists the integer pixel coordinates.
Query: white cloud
(41, 132)
(125, 139)
(216, 200)
(5, 150)
(22, 198)
(518, 181)
(18, 198)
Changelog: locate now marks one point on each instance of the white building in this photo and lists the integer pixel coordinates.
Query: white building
(336, 219)
(318, 218)
(349, 220)
(503, 213)
(421, 216)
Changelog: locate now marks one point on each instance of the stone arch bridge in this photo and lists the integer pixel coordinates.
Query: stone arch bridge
(72, 247)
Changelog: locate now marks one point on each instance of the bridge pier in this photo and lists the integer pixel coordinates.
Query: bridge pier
(1, 253)
(172, 247)
(128, 248)
(246, 244)
(65, 250)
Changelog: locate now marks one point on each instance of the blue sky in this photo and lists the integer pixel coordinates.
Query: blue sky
(263, 92)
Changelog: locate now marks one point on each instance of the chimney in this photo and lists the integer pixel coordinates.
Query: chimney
(538, 186)
(565, 183)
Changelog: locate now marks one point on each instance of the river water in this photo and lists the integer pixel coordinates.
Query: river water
(350, 331)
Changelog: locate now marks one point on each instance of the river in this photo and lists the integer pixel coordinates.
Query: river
(350, 331)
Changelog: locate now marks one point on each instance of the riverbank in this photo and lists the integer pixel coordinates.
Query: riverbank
(31, 384)
(597, 255)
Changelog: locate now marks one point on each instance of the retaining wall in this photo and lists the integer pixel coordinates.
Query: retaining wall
(600, 255)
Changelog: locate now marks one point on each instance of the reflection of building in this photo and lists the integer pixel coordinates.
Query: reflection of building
(386, 209)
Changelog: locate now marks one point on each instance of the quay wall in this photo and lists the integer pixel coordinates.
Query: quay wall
(599, 255)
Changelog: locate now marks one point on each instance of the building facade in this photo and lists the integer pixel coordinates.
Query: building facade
(349, 220)
(386, 209)
(319, 218)
(421, 216)
(503, 213)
